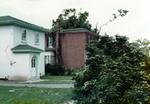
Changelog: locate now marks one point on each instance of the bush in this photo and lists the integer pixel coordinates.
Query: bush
(114, 74)
(54, 69)
(72, 72)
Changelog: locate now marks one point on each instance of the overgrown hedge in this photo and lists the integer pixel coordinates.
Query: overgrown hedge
(113, 75)
(54, 69)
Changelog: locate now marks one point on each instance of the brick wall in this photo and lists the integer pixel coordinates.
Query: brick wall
(73, 49)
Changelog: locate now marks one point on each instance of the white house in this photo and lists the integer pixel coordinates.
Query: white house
(22, 48)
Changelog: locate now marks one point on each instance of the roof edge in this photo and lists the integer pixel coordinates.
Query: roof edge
(26, 49)
(8, 20)
(77, 30)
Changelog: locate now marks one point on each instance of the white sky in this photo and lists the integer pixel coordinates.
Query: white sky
(41, 12)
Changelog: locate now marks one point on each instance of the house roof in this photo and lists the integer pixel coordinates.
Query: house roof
(76, 30)
(8, 20)
(26, 49)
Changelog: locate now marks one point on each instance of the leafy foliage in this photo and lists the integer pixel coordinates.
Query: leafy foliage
(54, 69)
(143, 45)
(70, 19)
(113, 75)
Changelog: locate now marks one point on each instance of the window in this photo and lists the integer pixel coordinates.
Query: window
(52, 59)
(37, 38)
(49, 42)
(24, 36)
(49, 59)
(33, 61)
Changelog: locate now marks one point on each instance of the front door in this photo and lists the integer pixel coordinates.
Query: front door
(33, 66)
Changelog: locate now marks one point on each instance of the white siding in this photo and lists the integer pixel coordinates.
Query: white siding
(10, 36)
(21, 70)
(30, 37)
(6, 40)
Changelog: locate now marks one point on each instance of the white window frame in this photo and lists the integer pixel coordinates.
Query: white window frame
(49, 59)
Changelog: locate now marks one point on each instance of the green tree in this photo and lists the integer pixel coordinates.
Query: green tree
(113, 75)
(144, 46)
(70, 19)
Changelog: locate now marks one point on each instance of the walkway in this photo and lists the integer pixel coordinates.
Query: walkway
(40, 85)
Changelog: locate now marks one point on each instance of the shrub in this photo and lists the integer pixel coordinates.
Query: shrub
(72, 72)
(54, 69)
(114, 74)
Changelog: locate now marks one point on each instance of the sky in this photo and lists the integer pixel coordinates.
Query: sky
(135, 25)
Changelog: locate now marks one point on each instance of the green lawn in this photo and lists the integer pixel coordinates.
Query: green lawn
(51, 77)
(25, 95)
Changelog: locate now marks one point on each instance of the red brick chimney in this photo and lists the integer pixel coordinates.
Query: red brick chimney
(57, 39)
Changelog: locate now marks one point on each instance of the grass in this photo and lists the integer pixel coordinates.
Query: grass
(25, 95)
(51, 77)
